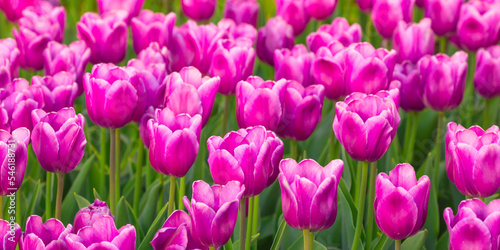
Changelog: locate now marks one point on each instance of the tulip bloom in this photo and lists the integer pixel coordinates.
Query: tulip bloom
(150, 27)
(386, 15)
(250, 156)
(7, 240)
(328, 69)
(17, 141)
(198, 10)
(242, 11)
(443, 80)
(174, 142)
(232, 61)
(143, 126)
(443, 14)
(40, 236)
(237, 32)
(154, 60)
(320, 9)
(176, 233)
(472, 159)
(339, 31)
(87, 216)
(487, 77)
(130, 7)
(277, 34)
(413, 41)
(366, 124)
(16, 105)
(294, 64)
(294, 13)
(105, 36)
(13, 9)
(301, 111)
(36, 30)
(258, 102)
(9, 61)
(54, 92)
(410, 90)
(213, 211)
(401, 202)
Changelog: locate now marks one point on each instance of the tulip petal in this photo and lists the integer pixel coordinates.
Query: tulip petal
(396, 214)
(324, 205)
(470, 233)
(224, 222)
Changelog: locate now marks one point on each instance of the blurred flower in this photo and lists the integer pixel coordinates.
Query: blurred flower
(401, 202)
(366, 124)
(88, 215)
(443, 14)
(487, 73)
(13, 146)
(237, 32)
(36, 30)
(232, 61)
(242, 11)
(16, 105)
(213, 211)
(411, 86)
(320, 9)
(199, 10)
(105, 36)
(9, 234)
(301, 111)
(413, 41)
(309, 193)
(9, 61)
(339, 31)
(386, 15)
(277, 34)
(41, 236)
(294, 64)
(154, 59)
(365, 5)
(443, 80)
(258, 102)
(294, 13)
(13, 9)
(472, 159)
(150, 27)
(176, 233)
(173, 142)
(131, 7)
(328, 69)
(54, 92)
(250, 156)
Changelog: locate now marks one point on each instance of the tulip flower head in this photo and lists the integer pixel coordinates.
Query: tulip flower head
(444, 15)
(17, 103)
(294, 13)
(320, 9)
(54, 92)
(410, 90)
(386, 14)
(13, 9)
(277, 34)
(9, 241)
(40, 236)
(176, 233)
(294, 64)
(9, 61)
(487, 74)
(143, 125)
(154, 59)
(150, 27)
(13, 147)
(87, 216)
(235, 31)
(198, 10)
(328, 69)
(242, 11)
(339, 30)
(413, 41)
(130, 7)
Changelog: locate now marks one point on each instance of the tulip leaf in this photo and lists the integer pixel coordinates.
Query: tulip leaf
(68, 205)
(444, 241)
(299, 245)
(347, 196)
(82, 202)
(279, 235)
(416, 242)
(96, 194)
(145, 243)
(383, 242)
(34, 200)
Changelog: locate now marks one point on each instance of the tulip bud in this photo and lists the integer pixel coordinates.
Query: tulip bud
(198, 10)
(413, 41)
(48, 235)
(9, 61)
(87, 216)
(13, 147)
(328, 69)
(175, 233)
(411, 86)
(487, 77)
(294, 64)
(294, 13)
(150, 27)
(130, 7)
(242, 11)
(401, 202)
(9, 235)
(339, 31)
(443, 14)
(386, 15)
(277, 34)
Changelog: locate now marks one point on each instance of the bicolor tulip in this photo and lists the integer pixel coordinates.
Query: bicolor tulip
(54, 92)
(13, 9)
(198, 10)
(277, 34)
(386, 14)
(13, 147)
(294, 64)
(9, 235)
(309, 193)
(250, 156)
(87, 216)
(9, 61)
(413, 41)
(242, 11)
(443, 14)
(487, 74)
(294, 13)
(154, 59)
(176, 233)
(320, 9)
(41, 236)
(150, 27)
(410, 90)
(131, 7)
(339, 30)
(328, 69)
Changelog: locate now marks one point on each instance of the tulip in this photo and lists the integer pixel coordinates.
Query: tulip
(9, 61)
(277, 34)
(320, 9)
(258, 102)
(87, 216)
(13, 9)
(413, 41)
(486, 77)
(301, 111)
(54, 92)
(401, 202)
(472, 157)
(410, 90)
(17, 141)
(339, 30)
(9, 235)
(294, 64)
(366, 124)
(154, 59)
(475, 226)
(58, 57)
(41, 236)
(213, 211)
(36, 30)
(188, 92)
(328, 69)
(143, 125)
(130, 7)
(103, 234)
(198, 10)
(443, 80)
(237, 32)
(294, 13)
(386, 15)
(105, 36)
(16, 105)
(443, 14)
(150, 27)
(309, 193)
(176, 233)
(232, 61)
(242, 11)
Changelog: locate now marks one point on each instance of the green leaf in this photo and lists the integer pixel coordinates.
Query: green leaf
(299, 245)
(348, 197)
(96, 194)
(383, 242)
(82, 202)
(69, 203)
(121, 214)
(34, 200)
(444, 241)
(279, 235)
(416, 242)
(145, 243)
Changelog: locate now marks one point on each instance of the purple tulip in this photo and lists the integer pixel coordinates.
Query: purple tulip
(258, 102)
(294, 13)
(401, 202)
(213, 211)
(443, 80)
(410, 90)
(9, 61)
(105, 36)
(17, 141)
(339, 30)
(130, 7)
(365, 5)
(443, 14)
(487, 74)
(366, 124)
(413, 41)
(233, 61)
(143, 125)
(13, 9)
(301, 111)
(54, 92)
(176, 233)
(102, 234)
(188, 92)
(294, 64)
(328, 69)
(309, 193)
(9, 235)
(236, 31)
(472, 159)
(173, 142)
(320, 9)
(475, 226)
(87, 216)
(386, 15)
(36, 30)
(150, 27)
(198, 10)
(250, 156)
(58, 57)
(153, 59)
(41, 236)
(16, 105)
(277, 34)
(478, 25)
(242, 11)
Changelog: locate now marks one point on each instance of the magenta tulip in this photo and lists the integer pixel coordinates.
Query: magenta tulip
(411, 86)
(150, 27)
(386, 15)
(9, 235)
(16, 105)
(154, 59)
(242, 11)
(198, 10)
(338, 30)
(365, 5)
(443, 14)
(277, 34)
(294, 13)
(328, 69)
(13, 9)
(487, 74)
(41, 236)
(320, 9)
(176, 233)
(87, 216)
(54, 92)
(234, 31)
(13, 148)
(413, 41)
(143, 126)
(130, 7)
(9, 61)
(294, 64)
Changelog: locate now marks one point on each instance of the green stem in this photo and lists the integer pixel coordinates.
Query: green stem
(118, 166)
(443, 44)
(171, 196)
(333, 146)
(469, 89)
(439, 138)
(361, 206)
(211, 248)
(249, 223)
(371, 198)
(294, 149)
(227, 100)
(368, 28)
(397, 244)
(112, 170)
(255, 221)
(468, 197)
(486, 122)
(60, 189)
(48, 196)
(311, 240)
(358, 182)
(243, 220)
(410, 145)
(150, 175)
(1, 207)
(103, 147)
(182, 191)
(138, 177)
(160, 192)
(307, 242)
